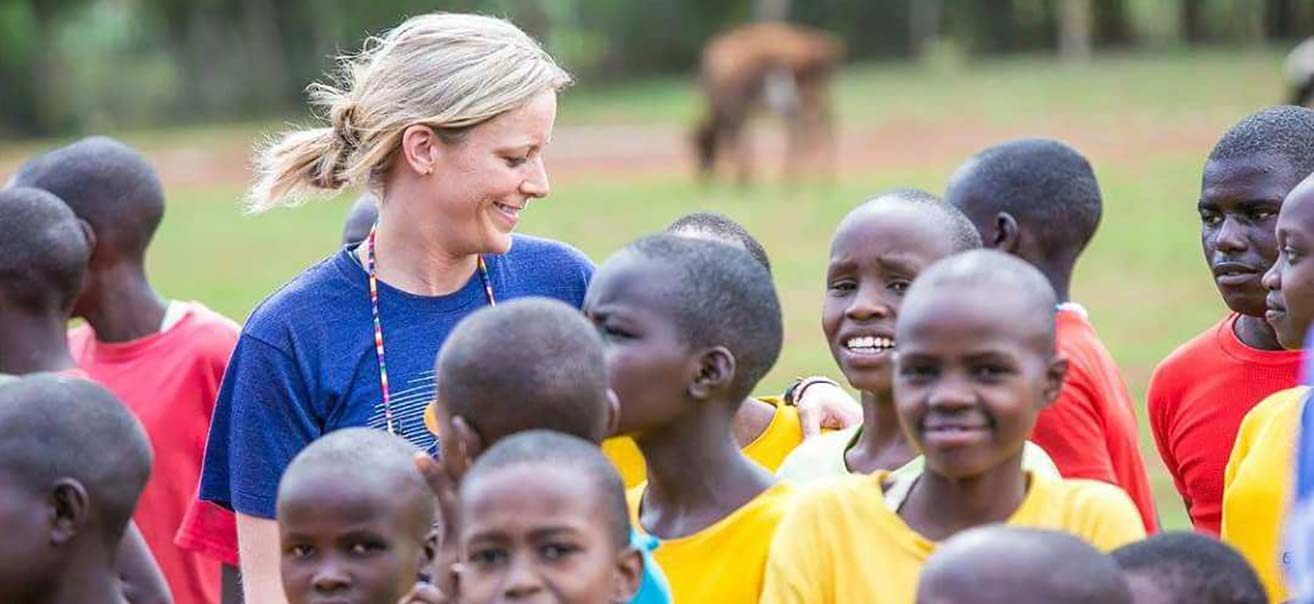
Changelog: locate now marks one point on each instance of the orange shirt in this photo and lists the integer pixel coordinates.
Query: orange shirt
(169, 380)
(1090, 431)
(1197, 399)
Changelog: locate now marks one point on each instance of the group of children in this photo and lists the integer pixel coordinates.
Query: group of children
(605, 456)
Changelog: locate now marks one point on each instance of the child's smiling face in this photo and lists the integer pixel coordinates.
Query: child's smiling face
(1290, 283)
(974, 368)
(876, 253)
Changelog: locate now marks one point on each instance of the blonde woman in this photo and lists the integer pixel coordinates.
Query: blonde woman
(445, 118)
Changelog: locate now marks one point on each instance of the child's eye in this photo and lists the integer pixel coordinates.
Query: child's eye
(301, 552)
(516, 162)
(488, 557)
(917, 371)
(557, 551)
(365, 548)
(1211, 219)
(989, 372)
(842, 287)
(1291, 254)
(899, 287)
(613, 333)
(1260, 214)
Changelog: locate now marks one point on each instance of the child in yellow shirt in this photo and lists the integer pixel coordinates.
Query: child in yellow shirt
(976, 364)
(767, 428)
(691, 326)
(1258, 482)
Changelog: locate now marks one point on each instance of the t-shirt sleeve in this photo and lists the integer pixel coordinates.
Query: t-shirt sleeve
(263, 417)
(1072, 432)
(1160, 403)
(794, 568)
(1114, 519)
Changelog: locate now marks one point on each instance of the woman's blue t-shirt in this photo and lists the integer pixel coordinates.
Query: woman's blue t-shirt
(306, 365)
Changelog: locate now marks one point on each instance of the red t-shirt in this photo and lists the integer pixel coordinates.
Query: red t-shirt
(169, 380)
(1090, 431)
(1198, 397)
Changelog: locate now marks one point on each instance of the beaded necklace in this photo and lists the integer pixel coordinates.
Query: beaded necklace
(378, 325)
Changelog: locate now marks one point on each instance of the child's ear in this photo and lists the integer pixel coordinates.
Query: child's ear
(716, 369)
(1054, 374)
(613, 412)
(469, 445)
(69, 505)
(1007, 234)
(629, 576)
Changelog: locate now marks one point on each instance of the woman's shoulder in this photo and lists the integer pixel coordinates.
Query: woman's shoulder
(321, 292)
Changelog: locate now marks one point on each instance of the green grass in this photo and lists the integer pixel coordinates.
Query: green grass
(1143, 278)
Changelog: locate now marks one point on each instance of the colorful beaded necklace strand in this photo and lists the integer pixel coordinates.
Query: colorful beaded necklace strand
(378, 325)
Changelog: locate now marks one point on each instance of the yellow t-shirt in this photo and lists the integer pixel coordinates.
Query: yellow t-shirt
(722, 563)
(1257, 486)
(841, 544)
(769, 449)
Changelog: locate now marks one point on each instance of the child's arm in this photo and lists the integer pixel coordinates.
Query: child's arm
(257, 541)
(143, 583)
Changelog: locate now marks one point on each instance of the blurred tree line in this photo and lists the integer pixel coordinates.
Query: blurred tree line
(68, 65)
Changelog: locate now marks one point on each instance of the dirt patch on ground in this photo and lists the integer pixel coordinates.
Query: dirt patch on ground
(621, 151)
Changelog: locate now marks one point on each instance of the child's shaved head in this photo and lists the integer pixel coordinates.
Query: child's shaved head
(43, 251)
(1047, 187)
(531, 363)
(1284, 131)
(107, 184)
(563, 452)
(1007, 565)
(961, 230)
(719, 227)
(1016, 287)
(54, 428)
(1188, 568)
(361, 456)
(717, 295)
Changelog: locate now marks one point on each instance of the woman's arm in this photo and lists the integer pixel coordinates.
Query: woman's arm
(143, 583)
(257, 542)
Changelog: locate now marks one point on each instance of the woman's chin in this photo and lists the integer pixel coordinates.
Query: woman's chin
(498, 244)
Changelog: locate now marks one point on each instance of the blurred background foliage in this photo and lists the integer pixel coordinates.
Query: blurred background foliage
(82, 65)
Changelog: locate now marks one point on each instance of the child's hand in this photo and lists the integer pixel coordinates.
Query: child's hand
(447, 553)
(825, 405)
(424, 593)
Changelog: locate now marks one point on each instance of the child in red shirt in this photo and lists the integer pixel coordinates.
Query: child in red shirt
(1038, 199)
(1200, 393)
(163, 359)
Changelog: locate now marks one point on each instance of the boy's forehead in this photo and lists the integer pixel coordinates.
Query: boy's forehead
(893, 222)
(631, 277)
(1241, 175)
(978, 310)
(1298, 209)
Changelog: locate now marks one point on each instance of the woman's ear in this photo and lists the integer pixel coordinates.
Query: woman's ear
(715, 370)
(421, 149)
(1054, 374)
(628, 577)
(69, 506)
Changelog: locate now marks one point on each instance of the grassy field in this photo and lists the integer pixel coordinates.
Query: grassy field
(1147, 122)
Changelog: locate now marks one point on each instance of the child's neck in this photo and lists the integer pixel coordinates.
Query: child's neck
(90, 581)
(126, 307)
(881, 446)
(1256, 333)
(696, 474)
(939, 507)
(31, 343)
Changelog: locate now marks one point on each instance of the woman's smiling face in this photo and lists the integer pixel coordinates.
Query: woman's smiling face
(482, 182)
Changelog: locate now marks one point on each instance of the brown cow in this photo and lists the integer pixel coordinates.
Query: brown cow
(781, 67)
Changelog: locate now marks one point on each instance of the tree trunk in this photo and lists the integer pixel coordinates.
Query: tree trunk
(924, 24)
(1075, 22)
(1192, 21)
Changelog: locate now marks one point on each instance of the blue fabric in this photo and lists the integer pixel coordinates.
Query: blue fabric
(653, 589)
(305, 364)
